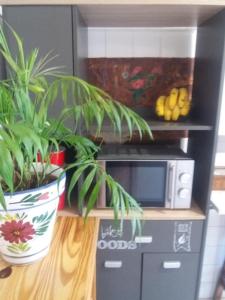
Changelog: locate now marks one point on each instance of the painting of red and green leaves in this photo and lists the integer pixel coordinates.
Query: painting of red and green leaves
(138, 82)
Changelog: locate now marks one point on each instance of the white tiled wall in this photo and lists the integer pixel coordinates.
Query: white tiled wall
(214, 255)
(141, 42)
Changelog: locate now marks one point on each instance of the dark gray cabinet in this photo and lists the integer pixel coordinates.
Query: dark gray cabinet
(118, 275)
(46, 28)
(169, 276)
(59, 30)
(162, 263)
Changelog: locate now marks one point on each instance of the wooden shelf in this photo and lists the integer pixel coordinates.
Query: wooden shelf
(171, 126)
(137, 13)
(108, 135)
(194, 213)
(148, 13)
(167, 126)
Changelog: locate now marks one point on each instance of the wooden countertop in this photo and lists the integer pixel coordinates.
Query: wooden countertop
(194, 213)
(156, 214)
(67, 272)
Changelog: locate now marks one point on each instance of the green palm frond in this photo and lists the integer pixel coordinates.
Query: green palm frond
(26, 128)
(93, 106)
(121, 202)
(7, 107)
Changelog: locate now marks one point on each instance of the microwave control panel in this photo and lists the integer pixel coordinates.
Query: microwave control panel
(181, 181)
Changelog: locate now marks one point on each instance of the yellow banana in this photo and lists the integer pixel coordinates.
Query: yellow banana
(160, 110)
(185, 109)
(173, 98)
(175, 113)
(167, 114)
(183, 97)
(167, 102)
(160, 101)
(173, 106)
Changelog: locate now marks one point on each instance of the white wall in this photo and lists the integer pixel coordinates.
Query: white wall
(141, 42)
(220, 157)
(214, 255)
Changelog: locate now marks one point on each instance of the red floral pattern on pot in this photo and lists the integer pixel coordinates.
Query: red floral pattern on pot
(44, 196)
(17, 231)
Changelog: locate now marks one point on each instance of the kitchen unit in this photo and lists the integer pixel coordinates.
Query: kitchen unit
(165, 262)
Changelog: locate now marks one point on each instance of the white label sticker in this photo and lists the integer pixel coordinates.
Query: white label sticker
(182, 236)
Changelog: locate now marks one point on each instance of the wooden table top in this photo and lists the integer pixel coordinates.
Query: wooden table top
(66, 273)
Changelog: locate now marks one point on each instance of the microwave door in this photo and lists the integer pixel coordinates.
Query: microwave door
(149, 182)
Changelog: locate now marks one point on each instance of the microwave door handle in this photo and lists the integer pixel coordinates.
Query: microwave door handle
(171, 184)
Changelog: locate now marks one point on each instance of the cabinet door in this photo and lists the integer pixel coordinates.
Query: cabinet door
(118, 275)
(48, 28)
(169, 276)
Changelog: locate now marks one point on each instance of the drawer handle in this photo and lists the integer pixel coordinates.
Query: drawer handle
(171, 264)
(113, 264)
(143, 239)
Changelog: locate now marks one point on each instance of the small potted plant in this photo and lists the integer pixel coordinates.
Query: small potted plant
(29, 190)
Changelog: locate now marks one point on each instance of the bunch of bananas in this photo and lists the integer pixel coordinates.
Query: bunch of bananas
(173, 106)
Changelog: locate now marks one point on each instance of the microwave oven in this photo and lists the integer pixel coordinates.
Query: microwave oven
(153, 176)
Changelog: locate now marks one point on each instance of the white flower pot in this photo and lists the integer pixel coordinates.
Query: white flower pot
(27, 225)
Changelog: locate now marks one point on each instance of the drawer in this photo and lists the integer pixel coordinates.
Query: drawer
(118, 275)
(169, 276)
(157, 236)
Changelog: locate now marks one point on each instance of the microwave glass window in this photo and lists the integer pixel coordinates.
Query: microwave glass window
(145, 181)
(148, 183)
(120, 171)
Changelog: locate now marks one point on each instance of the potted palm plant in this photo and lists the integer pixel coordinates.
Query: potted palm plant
(29, 190)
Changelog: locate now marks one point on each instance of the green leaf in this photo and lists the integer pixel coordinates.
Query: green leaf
(85, 186)
(20, 49)
(77, 174)
(13, 148)
(10, 61)
(94, 195)
(6, 165)
(2, 199)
